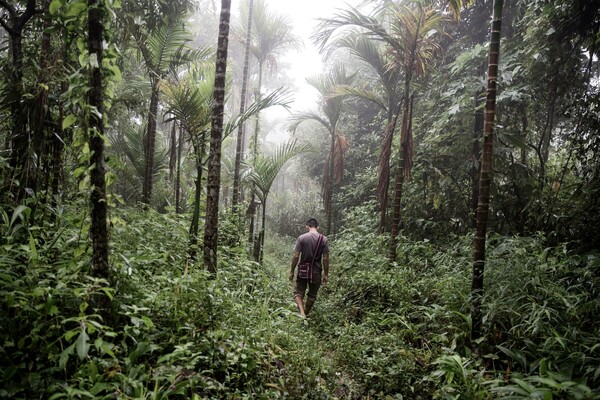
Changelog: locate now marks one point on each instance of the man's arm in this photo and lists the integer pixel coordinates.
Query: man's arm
(294, 263)
(325, 268)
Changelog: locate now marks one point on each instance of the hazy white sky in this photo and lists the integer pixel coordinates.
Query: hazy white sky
(306, 61)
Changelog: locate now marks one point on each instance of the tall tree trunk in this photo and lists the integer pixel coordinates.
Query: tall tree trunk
(197, 196)
(254, 145)
(173, 151)
(211, 227)
(40, 137)
(57, 149)
(255, 243)
(400, 169)
(329, 188)
(178, 173)
(383, 182)
(19, 161)
(239, 149)
(150, 143)
(475, 157)
(99, 230)
(543, 147)
(257, 120)
(262, 232)
(485, 179)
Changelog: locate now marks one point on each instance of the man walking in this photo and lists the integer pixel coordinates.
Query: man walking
(312, 250)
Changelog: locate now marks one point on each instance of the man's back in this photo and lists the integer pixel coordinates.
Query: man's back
(306, 244)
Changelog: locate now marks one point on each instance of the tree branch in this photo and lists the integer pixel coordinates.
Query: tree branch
(10, 8)
(6, 27)
(26, 16)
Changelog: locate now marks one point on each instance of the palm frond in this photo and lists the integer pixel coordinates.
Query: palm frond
(298, 118)
(263, 170)
(416, 29)
(350, 18)
(457, 5)
(131, 146)
(372, 53)
(272, 32)
(279, 97)
(362, 92)
(190, 100)
(165, 44)
(326, 83)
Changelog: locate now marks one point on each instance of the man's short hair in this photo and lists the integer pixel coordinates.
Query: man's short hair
(312, 223)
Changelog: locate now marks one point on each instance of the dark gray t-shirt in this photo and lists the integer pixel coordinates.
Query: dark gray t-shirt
(306, 244)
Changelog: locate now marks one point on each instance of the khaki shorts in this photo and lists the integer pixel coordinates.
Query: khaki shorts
(313, 288)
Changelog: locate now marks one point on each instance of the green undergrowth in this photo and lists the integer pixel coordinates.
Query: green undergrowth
(384, 331)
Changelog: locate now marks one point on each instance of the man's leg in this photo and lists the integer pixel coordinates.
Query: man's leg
(313, 288)
(299, 290)
(300, 304)
(309, 304)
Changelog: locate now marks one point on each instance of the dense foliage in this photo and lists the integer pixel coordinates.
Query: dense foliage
(376, 331)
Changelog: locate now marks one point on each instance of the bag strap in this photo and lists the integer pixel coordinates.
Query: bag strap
(316, 249)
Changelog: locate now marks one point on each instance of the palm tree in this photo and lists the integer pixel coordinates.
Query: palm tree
(485, 178)
(385, 92)
(332, 107)
(411, 43)
(163, 51)
(190, 102)
(211, 226)
(261, 174)
(239, 149)
(211, 231)
(272, 35)
(416, 28)
(131, 148)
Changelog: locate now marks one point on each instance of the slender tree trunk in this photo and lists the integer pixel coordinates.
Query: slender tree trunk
(211, 227)
(262, 232)
(250, 214)
(99, 229)
(254, 145)
(150, 143)
(485, 179)
(383, 183)
(475, 158)
(178, 173)
(239, 150)
(197, 196)
(546, 138)
(40, 127)
(173, 151)
(329, 188)
(400, 175)
(257, 240)
(19, 161)
(257, 120)
(57, 150)
(543, 147)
